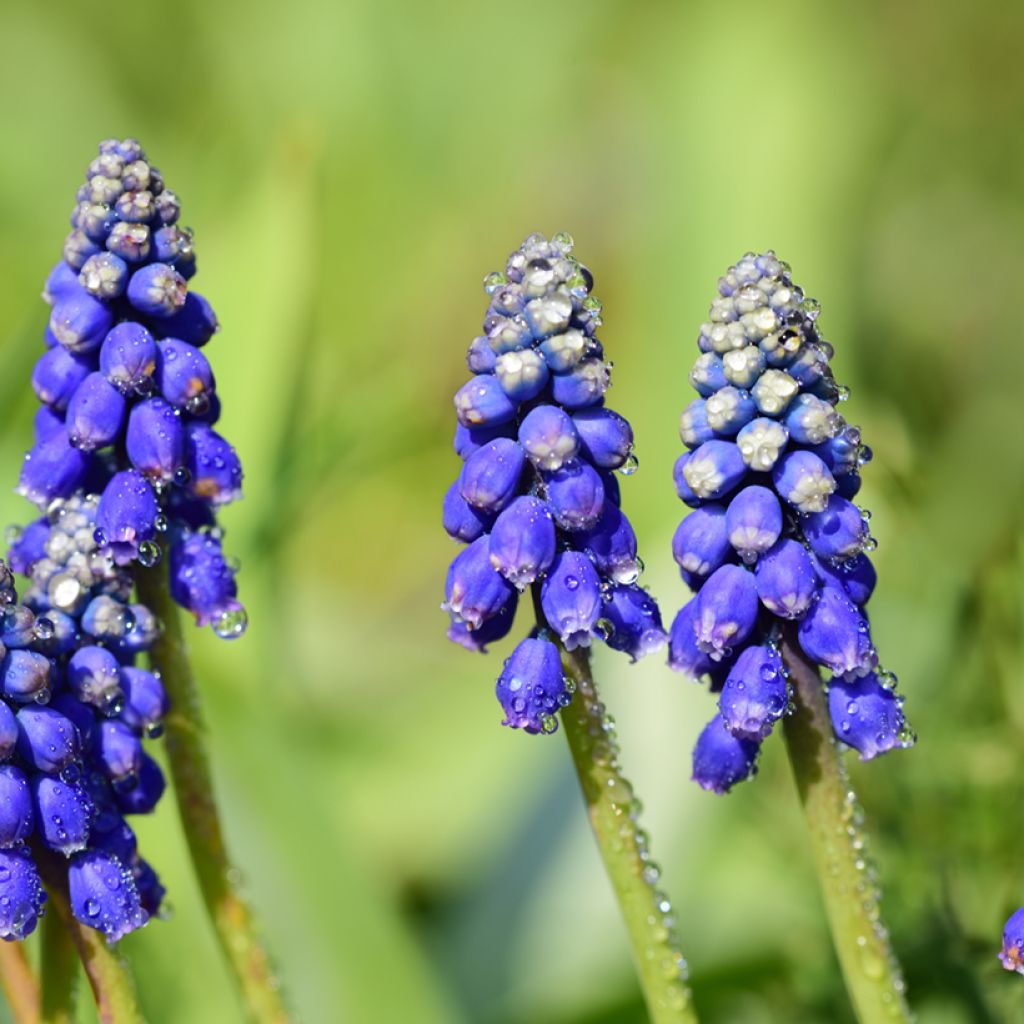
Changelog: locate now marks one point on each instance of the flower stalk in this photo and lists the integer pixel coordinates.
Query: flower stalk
(852, 898)
(193, 784)
(58, 965)
(20, 988)
(613, 811)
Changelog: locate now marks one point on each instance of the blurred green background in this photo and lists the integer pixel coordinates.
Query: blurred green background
(352, 170)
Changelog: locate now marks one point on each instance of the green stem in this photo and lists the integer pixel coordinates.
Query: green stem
(613, 811)
(109, 978)
(19, 983)
(193, 785)
(58, 965)
(872, 973)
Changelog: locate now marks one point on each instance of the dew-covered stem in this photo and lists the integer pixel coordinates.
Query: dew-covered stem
(193, 785)
(111, 982)
(19, 984)
(614, 810)
(852, 898)
(58, 967)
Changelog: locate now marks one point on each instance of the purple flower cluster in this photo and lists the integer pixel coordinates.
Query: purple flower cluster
(537, 502)
(775, 540)
(74, 710)
(129, 398)
(1011, 956)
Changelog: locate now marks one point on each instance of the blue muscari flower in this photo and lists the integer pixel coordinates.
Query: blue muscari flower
(129, 399)
(536, 501)
(203, 581)
(74, 711)
(771, 470)
(1011, 956)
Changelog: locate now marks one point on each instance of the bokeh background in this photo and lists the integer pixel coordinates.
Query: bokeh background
(352, 170)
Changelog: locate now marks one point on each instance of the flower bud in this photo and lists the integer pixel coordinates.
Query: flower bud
(726, 611)
(786, 579)
(570, 597)
(754, 522)
(531, 688)
(754, 696)
(103, 895)
(867, 716)
(575, 495)
(548, 437)
(720, 759)
(490, 478)
(523, 542)
(95, 414)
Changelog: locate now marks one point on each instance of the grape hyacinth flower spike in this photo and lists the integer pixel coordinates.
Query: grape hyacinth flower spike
(777, 555)
(537, 506)
(127, 466)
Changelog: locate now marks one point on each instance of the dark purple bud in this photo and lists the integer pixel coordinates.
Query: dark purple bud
(835, 634)
(856, 576)
(693, 425)
(575, 495)
(46, 423)
(64, 813)
(720, 760)
(183, 375)
(8, 731)
(16, 817)
(81, 716)
(531, 688)
(548, 437)
(145, 701)
(24, 676)
(126, 516)
(202, 582)
(58, 374)
(195, 323)
(59, 633)
(461, 520)
(104, 276)
(867, 716)
(143, 628)
(215, 471)
(17, 621)
(803, 480)
(105, 617)
(128, 356)
(523, 542)
(495, 628)
(21, 893)
(172, 245)
(848, 486)
(611, 546)
(522, 374)
(157, 290)
(843, 453)
(571, 598)
(606, 438)
(468, 439)
(838, 532)
(52, 469)
(93, 676)
(103, 895)
(482, 402)
(713, 470)
(786, 579)
(490, 478)
(95, 414)
(63, 280)
(726, 611)
(95, 220)
(149, 786)
(754, 522)
(80, 322)
(584, 385)
(632, 621)
(683, 653)
(151, 892)
(119, 751)
(481, 358)
(701, 541)
(136, 206)
(755, 695)
(46, 739)
(167, 206)
(476, 590)
(155, 440)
